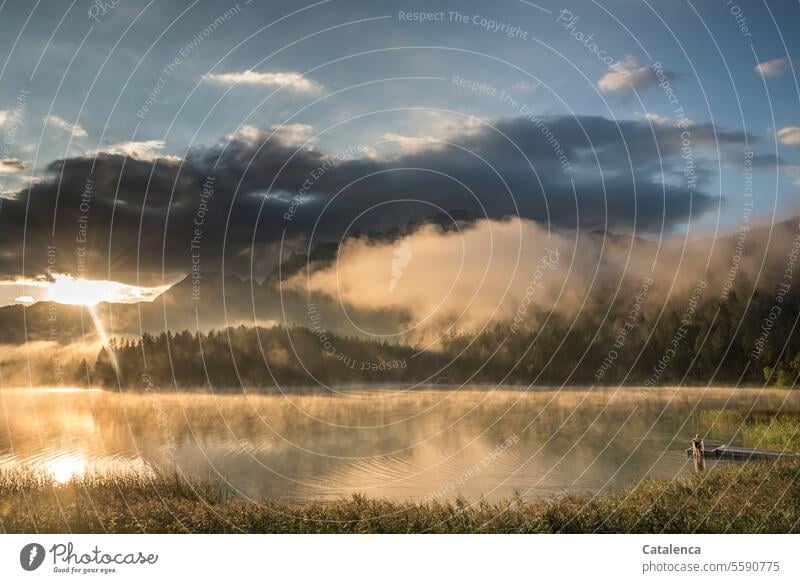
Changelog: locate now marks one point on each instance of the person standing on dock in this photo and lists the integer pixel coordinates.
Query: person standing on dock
(697, 447)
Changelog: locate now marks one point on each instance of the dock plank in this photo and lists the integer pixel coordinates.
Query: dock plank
(724, 451)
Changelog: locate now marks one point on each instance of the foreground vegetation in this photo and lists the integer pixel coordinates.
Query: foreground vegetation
(748, 498)
(761, 429)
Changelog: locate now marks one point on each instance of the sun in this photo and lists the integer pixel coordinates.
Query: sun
(65, 289)
(84, 292)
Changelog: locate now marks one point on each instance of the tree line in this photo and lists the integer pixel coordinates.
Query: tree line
(732, 341)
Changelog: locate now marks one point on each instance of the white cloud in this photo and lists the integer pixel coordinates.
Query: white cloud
(525, 86)
(435, 132)
(370, 152)
(790, 136)
(773, 68)
(147, 151)
(625, 76)
(3, 118)
(292, 134)
(659, 120)
(71, 128)
(793, 172)
(426, 276)
(247, 133)
(410, 143)
(12, 165)
(669, 122)
(292, 80)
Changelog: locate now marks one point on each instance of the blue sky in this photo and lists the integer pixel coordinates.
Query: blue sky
(147, 79)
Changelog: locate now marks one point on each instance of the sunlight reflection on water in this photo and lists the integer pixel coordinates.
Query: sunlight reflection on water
(64, 468)
(382, 443)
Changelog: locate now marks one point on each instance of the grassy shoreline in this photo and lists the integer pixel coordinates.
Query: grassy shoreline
(761, 429)
(748, 498)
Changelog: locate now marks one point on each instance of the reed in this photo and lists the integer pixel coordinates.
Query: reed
(748, 498)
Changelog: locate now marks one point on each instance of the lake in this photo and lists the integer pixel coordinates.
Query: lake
(408, 445)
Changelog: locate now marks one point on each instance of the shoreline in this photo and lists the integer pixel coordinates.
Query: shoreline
(757, 497)
(391, 388)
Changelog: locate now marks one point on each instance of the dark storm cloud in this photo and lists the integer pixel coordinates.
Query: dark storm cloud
(141, 216)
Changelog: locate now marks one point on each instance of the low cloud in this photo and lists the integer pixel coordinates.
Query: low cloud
(517, 270)
(290, 80)
(75, 130)
(45, 363)
(472, 277)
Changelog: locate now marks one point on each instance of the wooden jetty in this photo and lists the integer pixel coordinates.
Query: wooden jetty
(723, 451)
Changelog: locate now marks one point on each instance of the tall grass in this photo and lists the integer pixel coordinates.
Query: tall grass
(755, 497)
(762, 429)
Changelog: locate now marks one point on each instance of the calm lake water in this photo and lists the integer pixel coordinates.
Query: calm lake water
(407, 445)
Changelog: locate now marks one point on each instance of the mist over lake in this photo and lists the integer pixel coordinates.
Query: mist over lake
(405, 445)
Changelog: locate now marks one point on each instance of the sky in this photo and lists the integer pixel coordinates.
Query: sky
(143, 141)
